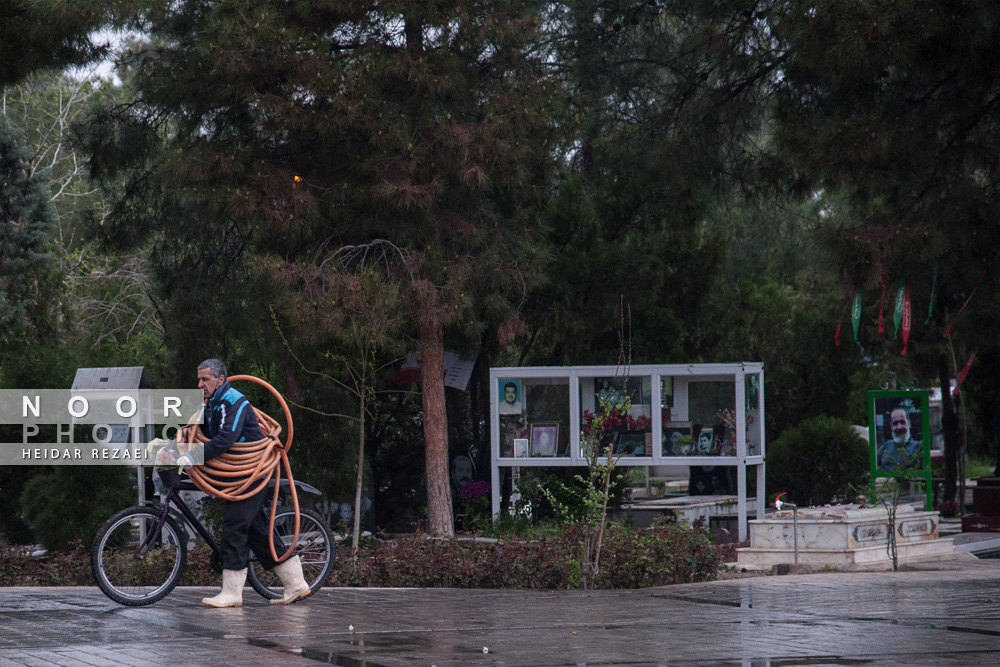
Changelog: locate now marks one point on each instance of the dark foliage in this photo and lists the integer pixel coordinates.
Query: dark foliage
(38, 35)
(668, 553)
(70, 503)
(70, 567)
(817, 462)
(26, 219)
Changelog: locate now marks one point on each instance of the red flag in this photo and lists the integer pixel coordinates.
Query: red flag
(409, 372)
(947, 332)
(907, 320)
(836, 335)
(965, 371)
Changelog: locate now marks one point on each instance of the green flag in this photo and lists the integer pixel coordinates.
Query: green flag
(930, 304)
(897, 315)
(856, 315)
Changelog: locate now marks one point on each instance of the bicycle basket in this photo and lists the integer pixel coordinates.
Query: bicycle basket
(169, 476)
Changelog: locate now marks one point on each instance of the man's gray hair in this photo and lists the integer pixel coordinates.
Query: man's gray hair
(215, 367)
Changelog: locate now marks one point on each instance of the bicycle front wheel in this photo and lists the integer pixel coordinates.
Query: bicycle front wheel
(125, 570)
(316, 550)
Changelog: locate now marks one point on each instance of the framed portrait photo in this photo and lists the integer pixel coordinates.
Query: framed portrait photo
(707, 440)
(899, 436)
(544, 438)
(899, 432)
(520, 448)
(677, 440)
(631, 443)
(666, 392)
(510, 397)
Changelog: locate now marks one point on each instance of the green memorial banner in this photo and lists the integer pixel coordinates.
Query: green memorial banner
(856, 315)
(897, 313)
(907, 320)
(899, 436)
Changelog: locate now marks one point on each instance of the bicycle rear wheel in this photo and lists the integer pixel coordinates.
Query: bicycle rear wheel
(132, 577)
(316, 550)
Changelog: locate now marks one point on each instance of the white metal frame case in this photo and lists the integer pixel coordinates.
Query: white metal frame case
(682, 375)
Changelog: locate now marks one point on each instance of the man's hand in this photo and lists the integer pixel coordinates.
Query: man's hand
(186, 446)
(184, 462)
(154, 444)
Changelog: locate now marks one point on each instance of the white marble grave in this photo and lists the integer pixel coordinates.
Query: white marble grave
(689, 508)
(842, 537)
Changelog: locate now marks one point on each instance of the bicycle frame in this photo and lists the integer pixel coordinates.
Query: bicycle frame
(174, 497)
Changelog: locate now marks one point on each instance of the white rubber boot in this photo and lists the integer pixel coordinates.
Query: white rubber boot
(232, 590)
(290, 573)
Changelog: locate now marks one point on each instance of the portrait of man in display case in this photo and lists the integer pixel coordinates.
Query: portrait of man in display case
(520, 448)
(461, 472)
(510, 396)
(705, 442)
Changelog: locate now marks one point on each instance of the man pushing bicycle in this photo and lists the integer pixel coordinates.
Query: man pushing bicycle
(229, 419)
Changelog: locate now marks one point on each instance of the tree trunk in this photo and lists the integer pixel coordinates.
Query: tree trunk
(439, 512)
(949, 428)
(362, 406)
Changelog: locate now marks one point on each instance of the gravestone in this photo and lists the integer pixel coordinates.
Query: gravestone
(842, 537)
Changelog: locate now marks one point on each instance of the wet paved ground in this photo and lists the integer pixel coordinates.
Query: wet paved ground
(945, 613)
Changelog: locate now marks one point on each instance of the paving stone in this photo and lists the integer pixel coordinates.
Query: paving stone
(941, 613)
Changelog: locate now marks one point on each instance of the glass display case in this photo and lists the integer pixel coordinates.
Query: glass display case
(704, 416)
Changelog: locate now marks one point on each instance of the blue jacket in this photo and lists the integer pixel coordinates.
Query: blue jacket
(229, 418)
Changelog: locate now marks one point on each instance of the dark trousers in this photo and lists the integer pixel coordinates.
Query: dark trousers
(245, 524)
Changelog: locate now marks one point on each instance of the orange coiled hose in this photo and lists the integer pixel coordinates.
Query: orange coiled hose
(247, 467)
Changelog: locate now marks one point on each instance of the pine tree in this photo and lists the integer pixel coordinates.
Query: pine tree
(268, 136)
(26, 219)
(892, 106)
(50, 34)
(656, 134)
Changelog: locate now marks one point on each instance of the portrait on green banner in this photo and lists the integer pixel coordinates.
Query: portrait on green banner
(899, 433)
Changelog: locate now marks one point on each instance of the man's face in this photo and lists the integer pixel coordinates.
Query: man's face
(510, 395)
(463, 471)
(900, 426)
(705, 442)
(207, 383)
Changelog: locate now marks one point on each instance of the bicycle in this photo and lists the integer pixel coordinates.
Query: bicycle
(140, 553)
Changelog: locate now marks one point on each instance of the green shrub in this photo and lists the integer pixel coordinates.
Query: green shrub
(13, 528)
(506, 524)
(570, 494)
(818, 462)
(667, 553)
(71, 502)
(199, 570)
(61, 568)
